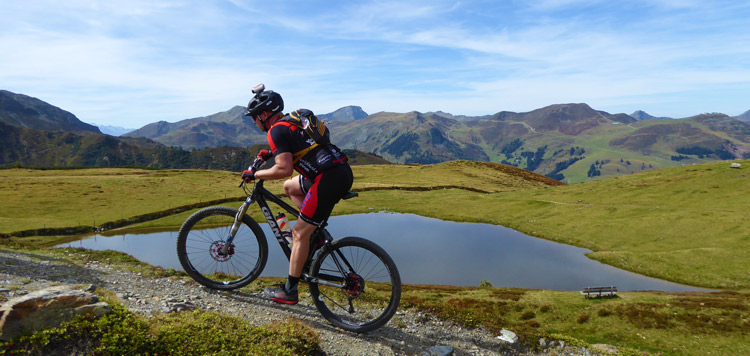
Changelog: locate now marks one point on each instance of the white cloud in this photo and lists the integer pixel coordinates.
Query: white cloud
(148, 61)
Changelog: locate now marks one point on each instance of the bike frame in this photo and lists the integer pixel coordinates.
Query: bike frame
(261, 196)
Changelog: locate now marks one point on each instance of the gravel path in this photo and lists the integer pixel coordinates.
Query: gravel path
(408, 333)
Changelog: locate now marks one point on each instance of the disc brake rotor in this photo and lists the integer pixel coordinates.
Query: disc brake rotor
(216, 254)
(355, 285)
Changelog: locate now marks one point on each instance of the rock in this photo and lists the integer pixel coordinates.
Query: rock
(440, 350)
(97, 309)
(47, 308)
(183, 306)
(605, 348)
(508, 336)
(542, 343)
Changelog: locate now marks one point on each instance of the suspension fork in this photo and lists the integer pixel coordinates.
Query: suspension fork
(235, 226)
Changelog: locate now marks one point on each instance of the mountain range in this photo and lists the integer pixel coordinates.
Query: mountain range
(570, 142)
(113, 130)
(228, 128)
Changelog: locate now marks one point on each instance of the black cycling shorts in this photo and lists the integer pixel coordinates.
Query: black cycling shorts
(323, 192)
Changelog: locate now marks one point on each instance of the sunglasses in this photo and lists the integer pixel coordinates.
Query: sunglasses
(264, 115)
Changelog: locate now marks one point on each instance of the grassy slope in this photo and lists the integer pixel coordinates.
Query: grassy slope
(596, 142)
(34, 199)
(685, 224)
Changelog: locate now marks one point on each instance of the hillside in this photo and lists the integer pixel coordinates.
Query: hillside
(27, 112)
(226, 128)
(744, 117)
(685, 224)
(36, 134)
(568, 142)
(35, 148)
(406, 138)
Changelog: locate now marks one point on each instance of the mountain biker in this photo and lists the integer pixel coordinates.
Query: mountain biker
(325, 177)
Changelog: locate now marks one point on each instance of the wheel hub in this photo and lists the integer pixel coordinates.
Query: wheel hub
(355, 285)
(217, 247)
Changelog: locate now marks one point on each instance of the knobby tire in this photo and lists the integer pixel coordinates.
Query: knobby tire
(205, 232)
(373, 289)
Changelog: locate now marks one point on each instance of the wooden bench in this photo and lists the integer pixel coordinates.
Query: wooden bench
(598, 292)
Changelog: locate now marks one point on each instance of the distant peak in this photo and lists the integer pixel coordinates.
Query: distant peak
(351, 112)
(642, 115)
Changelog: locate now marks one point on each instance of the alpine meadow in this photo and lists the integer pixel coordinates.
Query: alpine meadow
(665, 198)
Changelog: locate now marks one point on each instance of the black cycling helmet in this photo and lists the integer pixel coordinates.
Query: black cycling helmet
(267, 100)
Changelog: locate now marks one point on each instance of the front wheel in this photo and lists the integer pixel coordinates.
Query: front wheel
(200, 248)
(355, 284)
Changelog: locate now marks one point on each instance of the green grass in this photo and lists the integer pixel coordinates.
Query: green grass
(183, 333)
(36, 199)
(636, 322)
(653, 322)
(685, 224)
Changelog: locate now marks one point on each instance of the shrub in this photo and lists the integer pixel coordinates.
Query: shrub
(584, 317)
(125, 333)
(604, 312)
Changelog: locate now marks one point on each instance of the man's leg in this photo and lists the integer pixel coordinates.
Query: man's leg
(287, 293)
(293, 190)
(301, 234)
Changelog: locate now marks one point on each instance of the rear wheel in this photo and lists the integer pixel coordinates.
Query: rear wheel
(368, 285)
(200, 243)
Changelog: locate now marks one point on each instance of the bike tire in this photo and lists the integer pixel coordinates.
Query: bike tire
(205, 232)
(372, 294)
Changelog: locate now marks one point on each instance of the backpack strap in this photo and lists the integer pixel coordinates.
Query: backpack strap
(298, 155)
(294, 119)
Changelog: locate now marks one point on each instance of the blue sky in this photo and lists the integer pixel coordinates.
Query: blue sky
(130, 63)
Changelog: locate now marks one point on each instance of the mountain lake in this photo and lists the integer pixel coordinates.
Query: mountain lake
(431, 251)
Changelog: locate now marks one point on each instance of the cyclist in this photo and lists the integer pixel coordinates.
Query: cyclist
(325, 177)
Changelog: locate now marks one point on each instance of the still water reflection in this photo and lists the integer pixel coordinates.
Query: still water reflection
(432, 251)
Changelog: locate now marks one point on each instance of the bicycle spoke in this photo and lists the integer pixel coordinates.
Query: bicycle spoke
(204, 253)
(371, 286)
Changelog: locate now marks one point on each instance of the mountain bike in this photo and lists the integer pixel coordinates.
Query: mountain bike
(353, 282)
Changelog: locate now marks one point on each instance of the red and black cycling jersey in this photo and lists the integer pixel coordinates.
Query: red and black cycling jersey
(310, 159)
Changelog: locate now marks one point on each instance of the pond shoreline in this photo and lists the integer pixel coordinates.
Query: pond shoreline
(419, 245)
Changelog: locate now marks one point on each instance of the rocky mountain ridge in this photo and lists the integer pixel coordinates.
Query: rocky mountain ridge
(569, 142)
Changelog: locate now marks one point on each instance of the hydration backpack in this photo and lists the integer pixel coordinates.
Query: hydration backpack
(313, 127)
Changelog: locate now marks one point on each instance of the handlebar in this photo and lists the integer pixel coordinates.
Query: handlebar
(260, 160)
